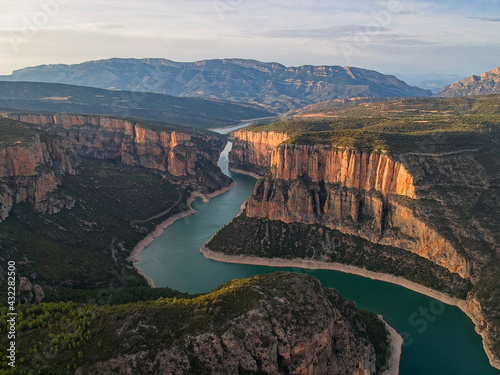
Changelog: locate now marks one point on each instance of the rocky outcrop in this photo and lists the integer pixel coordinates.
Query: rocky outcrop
(29, 292)
(293, 327)
(29, 172)
(486, 83)
(349, 190)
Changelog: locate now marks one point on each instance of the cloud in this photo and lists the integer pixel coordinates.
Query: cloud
(335, 32)
(399, 39)
(349, 33)
(485, 19)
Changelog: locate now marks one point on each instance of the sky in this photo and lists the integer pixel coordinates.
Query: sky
(444, 36)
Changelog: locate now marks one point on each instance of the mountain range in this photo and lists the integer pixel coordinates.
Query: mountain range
(272, 85)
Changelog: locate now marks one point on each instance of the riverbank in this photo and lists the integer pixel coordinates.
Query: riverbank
(135, 255)
(396, 348)
(241, 171)
(318, 265)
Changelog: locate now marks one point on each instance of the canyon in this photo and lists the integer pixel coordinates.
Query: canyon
(59, 173)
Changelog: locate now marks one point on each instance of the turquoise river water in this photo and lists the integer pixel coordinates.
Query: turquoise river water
(439, 339)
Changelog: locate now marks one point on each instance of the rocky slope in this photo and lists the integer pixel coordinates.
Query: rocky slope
(28, 171)
(270, 84)
(486, 83)
(281, 323)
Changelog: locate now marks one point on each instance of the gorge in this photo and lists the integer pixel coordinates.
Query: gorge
(252, 325)
(177, 153)
(372, 191)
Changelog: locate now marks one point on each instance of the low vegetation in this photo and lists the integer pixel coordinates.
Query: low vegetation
(192, 112)
(402, 126)
(12, 133)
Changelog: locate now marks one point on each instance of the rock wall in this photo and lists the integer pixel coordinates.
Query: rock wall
(351, 191)
(175, 152)
(369, 215)
(252, 151)
(349, 168)
(30, 172)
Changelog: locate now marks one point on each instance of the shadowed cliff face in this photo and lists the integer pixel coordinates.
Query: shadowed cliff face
(253, 151)
(365, 194)
(28, 172)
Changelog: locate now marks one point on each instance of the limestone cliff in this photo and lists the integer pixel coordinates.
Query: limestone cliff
(261, 151)
(253, 151)
(174, 152)
(28, 170)
(276, 324)
(349, 190)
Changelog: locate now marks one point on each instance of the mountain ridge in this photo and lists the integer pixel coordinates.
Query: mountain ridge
(272, 85)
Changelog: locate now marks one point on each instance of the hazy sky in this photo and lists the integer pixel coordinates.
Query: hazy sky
(443, 36)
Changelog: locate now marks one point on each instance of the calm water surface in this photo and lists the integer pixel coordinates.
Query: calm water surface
(439, 339)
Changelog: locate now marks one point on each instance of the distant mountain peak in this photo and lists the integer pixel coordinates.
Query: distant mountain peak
(484, 84)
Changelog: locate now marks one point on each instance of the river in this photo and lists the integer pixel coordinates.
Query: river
(439, 339)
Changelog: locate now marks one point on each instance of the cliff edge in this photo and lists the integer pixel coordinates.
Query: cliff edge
(31, 163)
